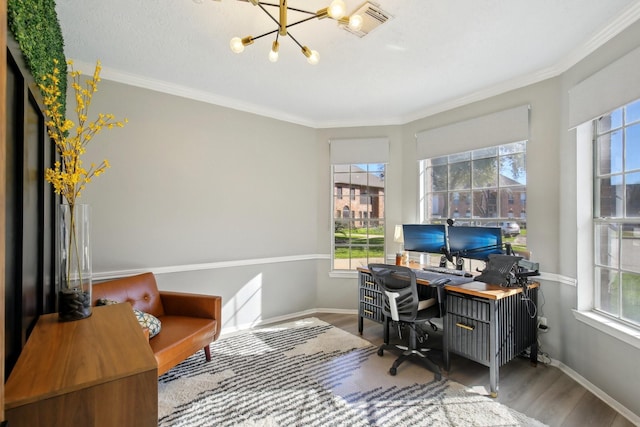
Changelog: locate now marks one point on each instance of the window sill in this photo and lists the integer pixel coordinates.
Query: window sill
(604, 324)
(343, 274)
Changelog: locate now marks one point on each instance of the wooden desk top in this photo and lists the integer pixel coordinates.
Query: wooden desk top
(476, 289)
(61, 357)
(487, 291)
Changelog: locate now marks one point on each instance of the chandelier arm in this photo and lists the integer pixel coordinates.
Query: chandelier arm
(302, 11)
(265, 34)
(301, 21)
(293, 38)
(269, 4)
(289, 8)
(269, 14)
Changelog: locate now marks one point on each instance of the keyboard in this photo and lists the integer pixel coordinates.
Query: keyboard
(451, 271)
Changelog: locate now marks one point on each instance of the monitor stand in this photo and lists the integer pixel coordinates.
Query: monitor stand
(443, 261)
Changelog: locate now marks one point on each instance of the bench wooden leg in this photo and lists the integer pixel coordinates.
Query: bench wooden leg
(207, 353)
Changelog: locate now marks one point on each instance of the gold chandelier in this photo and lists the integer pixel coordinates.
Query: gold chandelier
(336, 10)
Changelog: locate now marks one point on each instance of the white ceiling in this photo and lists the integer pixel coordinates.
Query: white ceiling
(433, 55)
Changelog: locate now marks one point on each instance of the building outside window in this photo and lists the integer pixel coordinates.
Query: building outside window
(484, 187)
(358, 241)
(616, 214)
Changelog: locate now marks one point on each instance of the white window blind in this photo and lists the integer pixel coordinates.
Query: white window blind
(359, 150)
(615, 85)
(498, 128)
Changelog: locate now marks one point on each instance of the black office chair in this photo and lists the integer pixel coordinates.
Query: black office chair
(402, 306)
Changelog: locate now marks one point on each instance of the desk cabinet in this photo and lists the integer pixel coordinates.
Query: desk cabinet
(491, 331)
(370, 300)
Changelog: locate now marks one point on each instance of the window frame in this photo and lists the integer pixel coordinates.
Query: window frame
(584, 282)
(362, 217)
(498, 195)
(619, 220)
(453, 194)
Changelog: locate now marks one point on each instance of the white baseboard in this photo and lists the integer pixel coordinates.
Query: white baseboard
(617, 406)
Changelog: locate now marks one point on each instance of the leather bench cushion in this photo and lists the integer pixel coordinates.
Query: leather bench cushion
(180, 338)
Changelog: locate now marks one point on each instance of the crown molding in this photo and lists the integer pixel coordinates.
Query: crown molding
(187, 92)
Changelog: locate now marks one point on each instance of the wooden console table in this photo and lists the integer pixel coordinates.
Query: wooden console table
(97, 372)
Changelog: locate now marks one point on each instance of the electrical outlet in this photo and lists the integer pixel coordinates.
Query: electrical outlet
(542, 324)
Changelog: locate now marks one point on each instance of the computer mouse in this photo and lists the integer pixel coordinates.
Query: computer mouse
(440, 282)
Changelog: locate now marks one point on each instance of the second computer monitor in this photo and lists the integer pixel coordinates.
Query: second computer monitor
(475, 242)
(429, 238)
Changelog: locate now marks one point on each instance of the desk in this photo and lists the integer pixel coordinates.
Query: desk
(486, 323)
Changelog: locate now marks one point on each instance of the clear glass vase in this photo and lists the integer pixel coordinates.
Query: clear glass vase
(74, 262)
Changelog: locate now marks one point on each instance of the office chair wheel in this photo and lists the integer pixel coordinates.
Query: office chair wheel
(380, 352)
(393, 371)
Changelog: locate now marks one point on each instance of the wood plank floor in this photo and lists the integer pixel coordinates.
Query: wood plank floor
(543, 392)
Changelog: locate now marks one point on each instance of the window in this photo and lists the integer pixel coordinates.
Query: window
(358, 241)
(616, 214)
(364, 198)
(486, 187)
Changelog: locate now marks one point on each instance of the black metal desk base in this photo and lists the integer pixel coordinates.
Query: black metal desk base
(490, 331)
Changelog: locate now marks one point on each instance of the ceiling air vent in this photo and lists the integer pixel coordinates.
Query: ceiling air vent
(372, 18)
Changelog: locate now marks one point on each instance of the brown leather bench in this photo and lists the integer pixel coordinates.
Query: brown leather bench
(190, 322)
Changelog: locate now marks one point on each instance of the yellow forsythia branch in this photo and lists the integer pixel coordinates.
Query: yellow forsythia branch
(68, 176)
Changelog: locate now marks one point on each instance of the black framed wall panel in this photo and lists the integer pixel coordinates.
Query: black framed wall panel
(29, 209)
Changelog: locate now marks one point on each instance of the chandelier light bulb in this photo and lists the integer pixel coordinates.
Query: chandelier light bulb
(337, 9)
(355, 22)
(273, 54)
(236, 45)
(314, 58)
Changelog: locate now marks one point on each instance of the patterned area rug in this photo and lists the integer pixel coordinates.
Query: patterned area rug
(309, 373)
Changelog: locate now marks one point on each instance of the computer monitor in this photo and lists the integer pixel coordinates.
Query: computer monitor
(475, 242)
(429, 238)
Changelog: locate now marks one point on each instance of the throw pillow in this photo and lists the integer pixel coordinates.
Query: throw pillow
(148, 321)
(105, 301)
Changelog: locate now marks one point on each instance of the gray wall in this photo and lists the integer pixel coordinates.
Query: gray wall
(606, 362)
(207, 197)
(193, 184)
